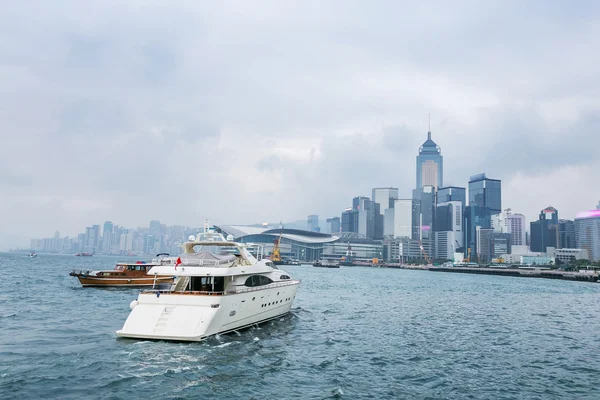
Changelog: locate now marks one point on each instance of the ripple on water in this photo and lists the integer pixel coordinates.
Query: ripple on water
(353, 333)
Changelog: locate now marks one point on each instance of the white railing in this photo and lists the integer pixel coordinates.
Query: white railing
(209, 293)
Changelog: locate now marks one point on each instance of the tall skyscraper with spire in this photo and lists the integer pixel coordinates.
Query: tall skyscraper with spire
(430, 164)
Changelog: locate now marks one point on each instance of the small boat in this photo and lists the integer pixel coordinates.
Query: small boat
(221, 287)
(32, 254)
(84, 254)
(325, 263)
(124, 274)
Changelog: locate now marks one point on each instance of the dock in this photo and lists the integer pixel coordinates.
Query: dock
(585, 276)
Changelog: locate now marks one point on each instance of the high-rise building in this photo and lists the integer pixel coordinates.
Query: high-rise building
(92, 237)
(423, 209)
(350, 220)
(483, 238)
(366, 210)
(312, 223)
(448, 229)
(566, 234)
(598, 206)
(430, 164)
(403, 212)
(491, 244)
(516, 224)
(385, 198)
(107, 237)
(475, 216)
(544, 232)
(451, 193)
(334, 225)
(485, 192)
(507, 222)
(587, 233)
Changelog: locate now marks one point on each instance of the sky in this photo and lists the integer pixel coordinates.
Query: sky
(243, 112)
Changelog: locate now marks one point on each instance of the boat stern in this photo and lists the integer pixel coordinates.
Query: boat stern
(165, 316)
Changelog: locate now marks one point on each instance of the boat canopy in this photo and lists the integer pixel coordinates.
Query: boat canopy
(207, 258)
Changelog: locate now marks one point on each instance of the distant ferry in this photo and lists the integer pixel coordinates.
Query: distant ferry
(32, 254)
(84, 254)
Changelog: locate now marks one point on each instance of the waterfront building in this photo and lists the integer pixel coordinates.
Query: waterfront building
(483, 238)
(475, 216)
(430, 164)
(334, 225)
(295, 243)
(485, 192)
(404, 249)
(587, 233)
(566, 234)
(544, 232)
(384, 197)
(567, 256)
(448, 229)
(537, 260)
(312, 223)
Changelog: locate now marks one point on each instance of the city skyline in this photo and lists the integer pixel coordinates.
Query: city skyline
(288, 108)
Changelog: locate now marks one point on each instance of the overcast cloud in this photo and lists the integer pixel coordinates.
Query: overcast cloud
(244, 112)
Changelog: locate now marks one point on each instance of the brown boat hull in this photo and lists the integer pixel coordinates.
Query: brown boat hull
(102, 281)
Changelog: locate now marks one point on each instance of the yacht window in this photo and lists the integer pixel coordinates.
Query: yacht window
(257, 280)
(207, 284)
(284, 277)
(269, 264)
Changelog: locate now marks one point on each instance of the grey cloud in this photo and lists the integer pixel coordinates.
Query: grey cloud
(292, 109)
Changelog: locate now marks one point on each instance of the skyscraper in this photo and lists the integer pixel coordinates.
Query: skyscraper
(334, 224)
(448, 229)
(430, 164)
(516, 224)
(423, 209)
(544, 232)
(312, 223)
(403, 218)
(385, 198)
(587, 233)
(475, 216)
(566, 234)
(359, 218)
(485, 192)
(451, 193)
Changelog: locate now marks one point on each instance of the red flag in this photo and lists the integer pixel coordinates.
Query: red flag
(177, 262)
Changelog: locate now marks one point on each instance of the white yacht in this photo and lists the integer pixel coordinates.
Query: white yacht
(220, 287)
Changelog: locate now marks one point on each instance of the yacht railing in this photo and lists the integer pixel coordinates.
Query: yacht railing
(269, 286)
(210, 293)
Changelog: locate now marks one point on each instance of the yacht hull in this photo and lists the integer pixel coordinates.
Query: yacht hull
(194, 317)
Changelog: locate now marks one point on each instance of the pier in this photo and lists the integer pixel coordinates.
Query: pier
(586, 276)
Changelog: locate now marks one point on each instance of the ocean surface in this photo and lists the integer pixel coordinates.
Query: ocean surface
(354, 333)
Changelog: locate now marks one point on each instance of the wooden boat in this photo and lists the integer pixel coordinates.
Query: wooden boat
(124, 274)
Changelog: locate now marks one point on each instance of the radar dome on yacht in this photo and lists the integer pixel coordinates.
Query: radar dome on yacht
(230, 238)
(191, 238)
